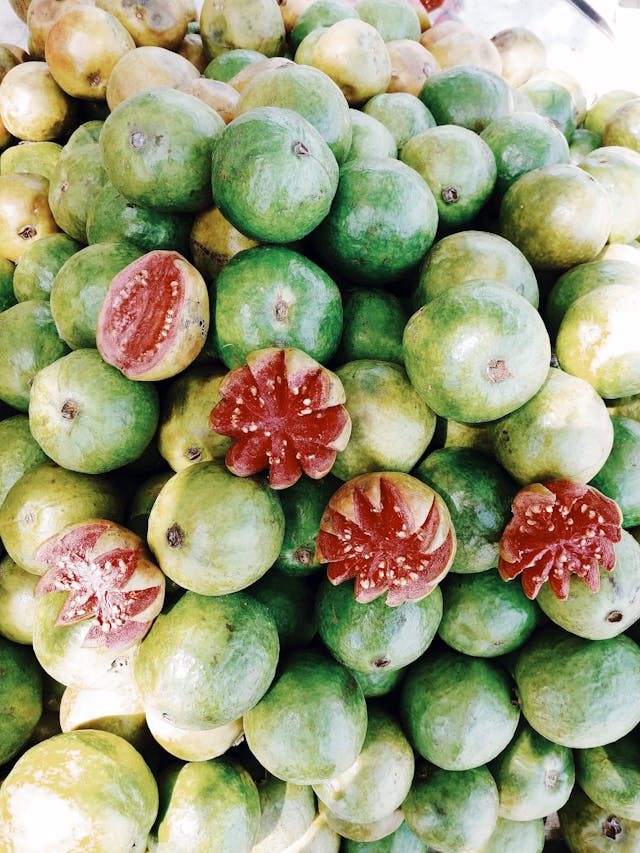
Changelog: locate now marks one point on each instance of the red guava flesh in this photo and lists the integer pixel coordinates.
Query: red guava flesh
(559, 528)
(390, 532)
(109, 577)
(284, 412)
(154, 319)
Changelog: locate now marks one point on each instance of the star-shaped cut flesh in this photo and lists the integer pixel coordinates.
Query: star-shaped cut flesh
(390, 532)
(109, 578)
(285, 413)
(559, 528)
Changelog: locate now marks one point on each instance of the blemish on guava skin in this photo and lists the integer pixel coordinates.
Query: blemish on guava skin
(381, 663)
(614, 616)
(69, 410)
(27, 233)
(137, 139)
(175, 536)
(281, 310)
(497, 370)
(611, 828)
(302, 556)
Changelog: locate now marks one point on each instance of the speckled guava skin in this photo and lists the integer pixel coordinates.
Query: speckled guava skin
(94, 788)
(312, 747)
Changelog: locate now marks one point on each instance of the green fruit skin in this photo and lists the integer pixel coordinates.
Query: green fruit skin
(403, 114)
(373, 637)
(618, 476)
(303, 505)
(19, 451)
(290, 600)
(207, 807)
(8, 296)
(184, 437)
(231, 645)
(39, 264)
(380, 778)
(38, 157)
(554, 102)
(29, 342)
(312, 94)
(582, 279)
(403, 840)
(534, 775)
(213, 532)
(467, 96)
(286, 170)
(286, 813)
(378, 683)
(359, 831)
(323, 14)
(373, 323)
(483, 616)
(394, 19)
(112, 218)
(563, 431)
(16, 602)
(437, 695)
(370, 138)
(617, 169)
(271, 296)
(576, 692)
(453, 811)
(391, 426)
(116, 417)
(597, 340)
(248, 25)
(77, 177)
(382, 221)
(459, 168)
(44, 500)
(478, 495)
(109, 794)
(226, 65)
(522, 142)
(608, 612)
(510, 835)
(20, 697)
(469, 256)
(142, 499)
(156, 147)
(80, 287)
(312, 747)
(460, 341)
(541, 214)
(582, 143)
(588, 828)
(88, 131)
(610, 775)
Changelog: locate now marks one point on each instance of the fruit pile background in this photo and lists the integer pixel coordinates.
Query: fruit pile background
(340, 546)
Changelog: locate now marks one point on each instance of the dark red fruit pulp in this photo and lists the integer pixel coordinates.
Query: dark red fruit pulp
(382, 544)
(139, 317)
(279, 409)
(559, 528)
